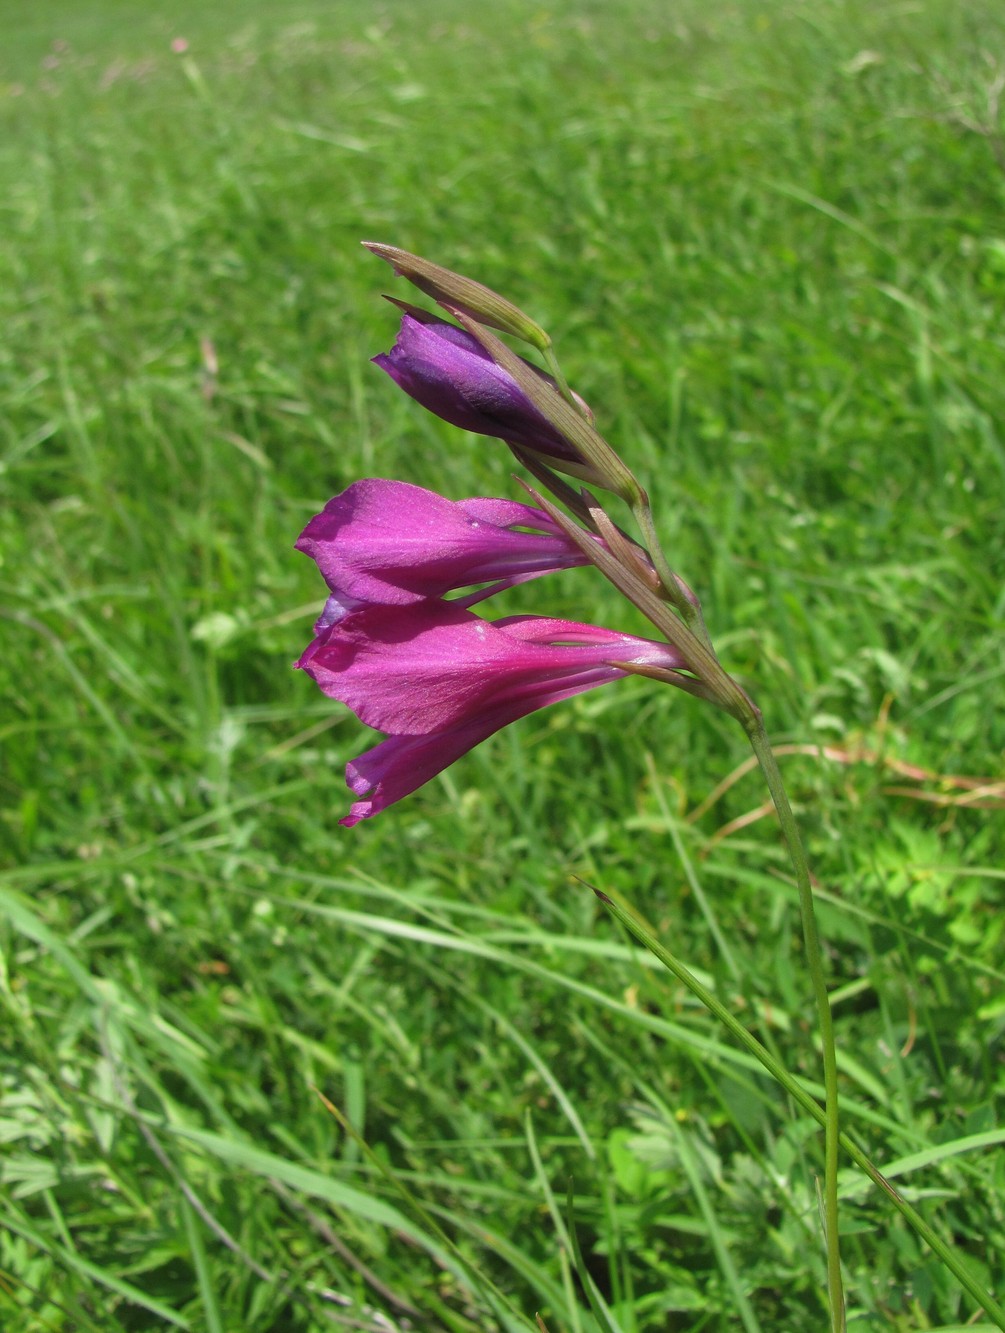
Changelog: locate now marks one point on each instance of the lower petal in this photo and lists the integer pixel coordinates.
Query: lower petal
(401, 764)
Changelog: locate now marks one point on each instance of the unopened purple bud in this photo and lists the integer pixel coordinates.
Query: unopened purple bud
(448, 371)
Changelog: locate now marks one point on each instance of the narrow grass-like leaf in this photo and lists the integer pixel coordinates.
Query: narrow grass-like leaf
(557, 1221)
(601, 1310)
(210, 1306)
(942, 1152)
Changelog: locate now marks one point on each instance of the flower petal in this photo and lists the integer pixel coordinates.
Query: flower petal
(417, 669)
(440, 680)
(391, 542)
(403, 763)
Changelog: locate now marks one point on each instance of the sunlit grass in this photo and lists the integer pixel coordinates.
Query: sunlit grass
(772, 259)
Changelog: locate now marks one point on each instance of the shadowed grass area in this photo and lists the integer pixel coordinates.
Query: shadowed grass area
(768, 243)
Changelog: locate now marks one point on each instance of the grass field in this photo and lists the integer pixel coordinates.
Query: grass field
(263, 1073)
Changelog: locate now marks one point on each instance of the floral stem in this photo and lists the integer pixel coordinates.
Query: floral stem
(809, 1104)
(758, 736)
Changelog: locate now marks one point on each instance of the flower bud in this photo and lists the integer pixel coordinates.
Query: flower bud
(447, 370)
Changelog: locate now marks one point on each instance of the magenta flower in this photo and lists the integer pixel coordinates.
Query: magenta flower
(393, 543)
(439, 680)
(449, 372)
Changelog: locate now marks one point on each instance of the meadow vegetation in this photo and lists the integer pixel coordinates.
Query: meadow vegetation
(258, 1072)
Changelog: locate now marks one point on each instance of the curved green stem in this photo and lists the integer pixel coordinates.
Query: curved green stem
(809, 1104)
(754, 727)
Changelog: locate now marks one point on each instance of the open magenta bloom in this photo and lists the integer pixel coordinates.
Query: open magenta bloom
(393, 543)
(439, 680)
(449, 372)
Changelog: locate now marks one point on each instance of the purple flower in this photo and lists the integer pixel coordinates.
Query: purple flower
(439, 680)
(449, 372)
(393, 543)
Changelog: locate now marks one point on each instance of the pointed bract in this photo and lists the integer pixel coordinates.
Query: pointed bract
(453, 289)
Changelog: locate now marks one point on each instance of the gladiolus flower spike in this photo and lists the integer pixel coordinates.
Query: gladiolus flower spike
(438, 679)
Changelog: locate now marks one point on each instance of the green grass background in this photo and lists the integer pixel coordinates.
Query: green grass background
(768, 242)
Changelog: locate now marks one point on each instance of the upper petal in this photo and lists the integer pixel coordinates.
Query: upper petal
(391, 542)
